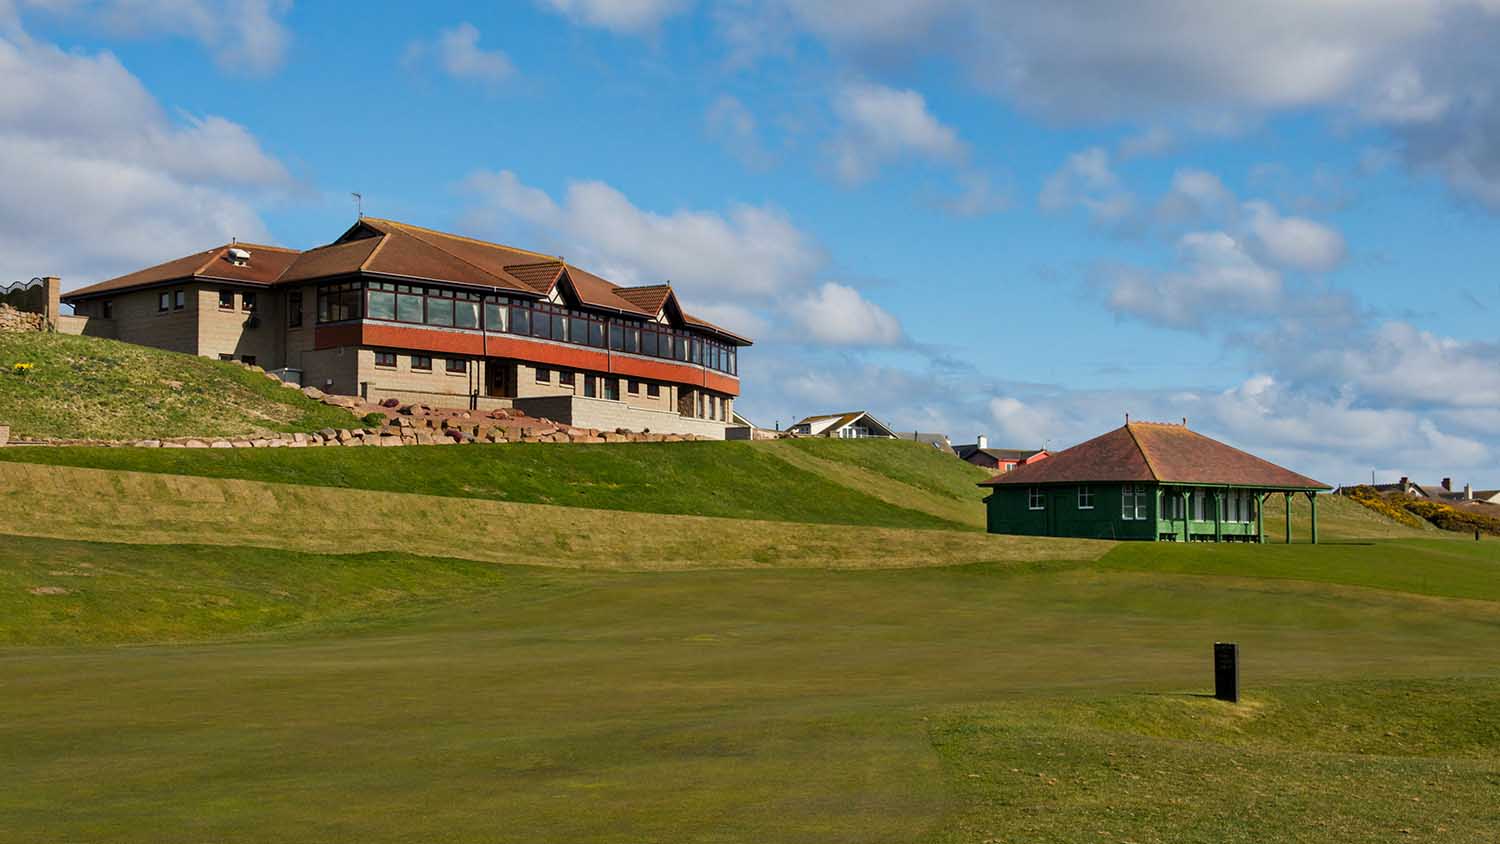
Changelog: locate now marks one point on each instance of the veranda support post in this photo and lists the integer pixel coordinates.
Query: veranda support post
(1288, 497)
(1312, 501)
(1260, 517)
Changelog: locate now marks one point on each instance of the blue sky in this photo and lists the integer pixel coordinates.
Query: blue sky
(963, 216)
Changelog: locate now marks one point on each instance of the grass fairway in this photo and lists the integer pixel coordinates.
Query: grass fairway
(438, 700)
(90, 388)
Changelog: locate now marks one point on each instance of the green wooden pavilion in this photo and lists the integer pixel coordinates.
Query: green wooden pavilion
(1149, 481)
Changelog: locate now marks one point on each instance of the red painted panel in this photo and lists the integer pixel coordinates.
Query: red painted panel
(475, 344)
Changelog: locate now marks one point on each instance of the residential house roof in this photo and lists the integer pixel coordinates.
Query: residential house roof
(1004, 455)
(386, 247)
(835, 421)
(937, 441)
(1156, 452)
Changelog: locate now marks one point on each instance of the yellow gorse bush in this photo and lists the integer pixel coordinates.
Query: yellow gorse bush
(21, 369)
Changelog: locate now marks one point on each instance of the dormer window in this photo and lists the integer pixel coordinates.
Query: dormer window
(239, 257)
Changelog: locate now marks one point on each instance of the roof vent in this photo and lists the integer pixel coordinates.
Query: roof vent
(239, 257)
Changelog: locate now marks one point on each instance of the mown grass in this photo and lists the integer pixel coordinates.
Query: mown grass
(91, 388)
(1338, 518)
(1328, 762)
(914, 464)
(542, 705)
(1441, 567)
(722, 479)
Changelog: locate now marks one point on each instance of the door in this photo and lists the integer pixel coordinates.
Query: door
(1054, 506)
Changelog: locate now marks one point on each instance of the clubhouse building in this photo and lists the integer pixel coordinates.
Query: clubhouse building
(390, 310)
(1148, 481)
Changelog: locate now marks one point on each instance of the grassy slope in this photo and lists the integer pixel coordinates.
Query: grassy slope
(905, 474)
(89, 388)
(152, 508)
(1338, 518)
(735, 480)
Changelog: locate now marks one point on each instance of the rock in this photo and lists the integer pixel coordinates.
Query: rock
(260, 443)
(220, 444)
(391, 402)
(403, 422)
(328, 434)
(614, 437)
(5, 435)
(195, 444)
(591, 440)
(148, 443)
(453, 434)
(672, 438)
(173, 445)
(297, 444)
(276, 444)
(287, 384)
(500, 414)
(343, 435)
(241, 444)
(389, 440)
(299, 437)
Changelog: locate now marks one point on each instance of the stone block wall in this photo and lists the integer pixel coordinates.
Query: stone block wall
(605, 414)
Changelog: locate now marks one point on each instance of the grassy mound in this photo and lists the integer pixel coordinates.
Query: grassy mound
(91, 388)
(1402, 760)
(1339, 518)
(726, 479)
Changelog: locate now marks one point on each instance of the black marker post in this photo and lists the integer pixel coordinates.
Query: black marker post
(1227, 671)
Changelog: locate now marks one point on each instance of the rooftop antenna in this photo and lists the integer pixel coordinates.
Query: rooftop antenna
(1127, 418)
(1184, 421)
(359, 204)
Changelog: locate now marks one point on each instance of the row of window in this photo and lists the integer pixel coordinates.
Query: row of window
(422, 363)
(461, 309)
(1239, 504)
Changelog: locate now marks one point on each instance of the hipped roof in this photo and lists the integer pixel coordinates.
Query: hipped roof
(375, 246)
(1156, 452)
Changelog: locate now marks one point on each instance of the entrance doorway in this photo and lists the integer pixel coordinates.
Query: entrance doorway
(500, 378)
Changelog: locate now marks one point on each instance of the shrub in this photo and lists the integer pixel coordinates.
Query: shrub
(1393, 510)
(373, 419)
(21, 370)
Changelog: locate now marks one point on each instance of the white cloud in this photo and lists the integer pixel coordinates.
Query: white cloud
(879, 125)
(1294, 242)
(732, 124)
(839, 316)
(624, 16)
(457, 53)
(1020, 425)
(98, 181)
(1148, 144)
(977, 196)
(1088, 180)
(244, 35)
(1218, 277)
(747, 251)
(1194, 195)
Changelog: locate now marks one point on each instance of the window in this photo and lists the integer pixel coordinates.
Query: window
(588, 386)
(494, 316)
(226, 357)
(543, 376)
(653, 391)
(107, 309)
(617, 337)
(596, 334)
(439, 311)
(634, 387)
(408, 306)
(1197, 505)
(249, 360)
(1171, 504)
(386, 359)
(1035, 500)
(520, 319)
(381, 304)
(294, 309)
(340, 302)
(466, 314)
(247, 301)
(1132, 502)
(179, 299)
(164, 302)
(612, 389)
(421, 363)
(458, 366)
(226, 300)
(1232, 507)
(565, 377)
(1085, 498)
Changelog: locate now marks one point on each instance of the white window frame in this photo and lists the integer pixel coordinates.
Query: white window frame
(1085, 497)
(1133, 504)
(1035, 498)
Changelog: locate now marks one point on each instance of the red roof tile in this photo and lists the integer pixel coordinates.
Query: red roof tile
(266, 264)
(1156, 452)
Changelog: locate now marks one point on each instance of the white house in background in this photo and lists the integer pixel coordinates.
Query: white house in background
(854, 425)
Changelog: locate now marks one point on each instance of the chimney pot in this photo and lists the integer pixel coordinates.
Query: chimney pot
(1404, 481)
(1468, 492)
(1448, 484)
(984, 442)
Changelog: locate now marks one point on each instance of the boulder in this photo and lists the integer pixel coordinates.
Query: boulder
(343, 435)
(5, 434)
(220, 444)
(241, 444)
(148, 444)
(260, 443)
(297, 444)
(328, 434)
(277, 443)
(299, 437)
(173, 445)
(389, 440)
(195, 444)
(391, 403)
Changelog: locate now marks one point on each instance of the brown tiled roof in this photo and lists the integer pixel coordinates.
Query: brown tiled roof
(387, 247)
(539, 277)
(1156, 452)
(649, 298)
(267, 263)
